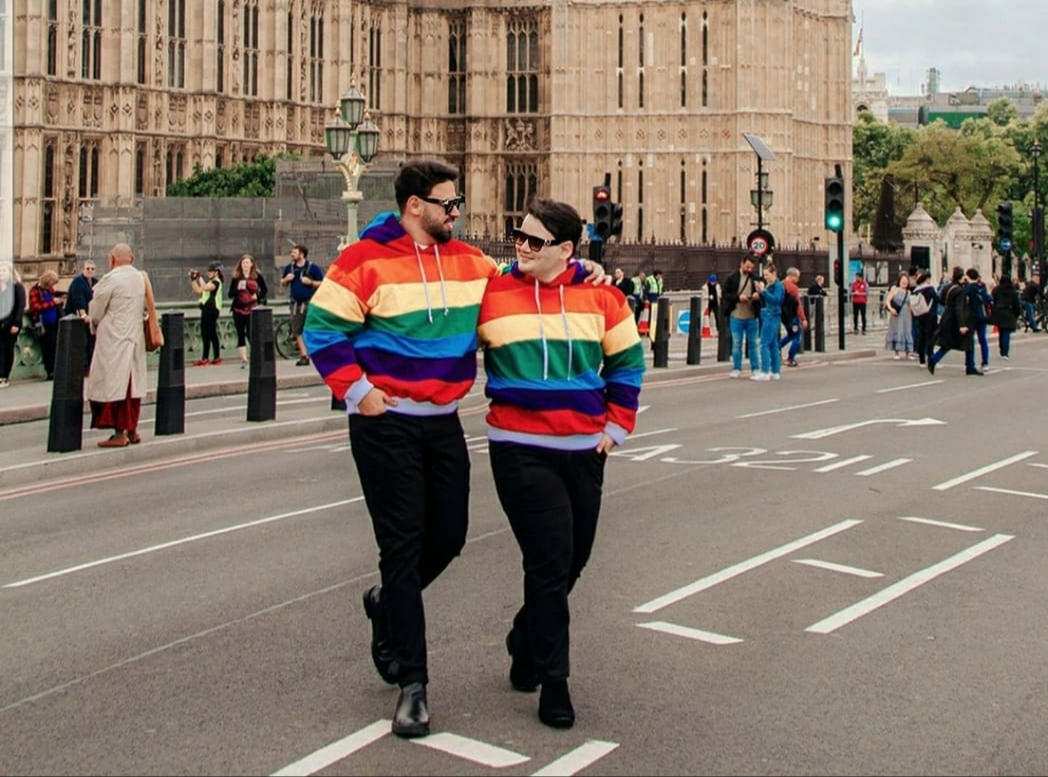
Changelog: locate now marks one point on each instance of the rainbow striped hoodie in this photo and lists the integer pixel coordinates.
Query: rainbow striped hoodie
(394, 315)
(564, 362)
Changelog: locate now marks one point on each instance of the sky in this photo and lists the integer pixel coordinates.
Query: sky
(982, 43)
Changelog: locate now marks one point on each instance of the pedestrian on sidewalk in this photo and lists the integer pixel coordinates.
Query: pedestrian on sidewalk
(772, 293)
(1007, 308)
(542, 325)
(899, 338)
(302, 278)
(981, 309)
(740, 305)
(117, 381)
(924, 304)
(211, 290)
(860, 291)
(45, 308)
(795, 323)
(12, 309)
(78, 297)
(247, 290)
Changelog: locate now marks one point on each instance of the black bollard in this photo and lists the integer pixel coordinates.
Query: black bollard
(66, 426)
(819, 317)
(695, 332)
(171, 376)
(262, 368)
(806, 336)
(723, 338)
(661, 344)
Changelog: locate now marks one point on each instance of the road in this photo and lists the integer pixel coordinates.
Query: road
(841, 573)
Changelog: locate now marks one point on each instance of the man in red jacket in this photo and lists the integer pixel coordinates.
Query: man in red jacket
(860, 289)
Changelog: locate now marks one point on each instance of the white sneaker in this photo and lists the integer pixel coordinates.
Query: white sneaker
(3, 381)
(735, 374)
(776, 376)
(760, 376)
(1005, 358)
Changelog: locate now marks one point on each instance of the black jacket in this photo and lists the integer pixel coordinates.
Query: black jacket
(1006, 307)
(730, 293)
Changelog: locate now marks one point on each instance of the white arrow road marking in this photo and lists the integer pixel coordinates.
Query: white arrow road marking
(818, 434)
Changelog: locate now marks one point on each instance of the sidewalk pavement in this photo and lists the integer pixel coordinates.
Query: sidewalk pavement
(26, 464)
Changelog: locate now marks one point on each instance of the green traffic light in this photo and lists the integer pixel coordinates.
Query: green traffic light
(834, 222)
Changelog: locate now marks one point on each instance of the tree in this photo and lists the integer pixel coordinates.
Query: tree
(247, 179)
(887, 229)
(875, 145)
(1002, 112)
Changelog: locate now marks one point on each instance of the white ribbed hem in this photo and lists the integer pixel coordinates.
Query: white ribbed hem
(411, 407)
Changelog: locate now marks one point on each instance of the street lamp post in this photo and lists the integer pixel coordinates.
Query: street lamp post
(1038, 217)
(761, 197)
(352, 140)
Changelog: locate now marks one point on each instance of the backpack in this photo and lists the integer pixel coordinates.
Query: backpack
(919, 304)
(790, 309)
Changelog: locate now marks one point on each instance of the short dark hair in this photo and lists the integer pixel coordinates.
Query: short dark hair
(301, 249)
(972, 273)
(417, 179)
(561, 219)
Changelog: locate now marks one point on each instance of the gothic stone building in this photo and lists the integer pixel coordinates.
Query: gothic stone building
(115, 100)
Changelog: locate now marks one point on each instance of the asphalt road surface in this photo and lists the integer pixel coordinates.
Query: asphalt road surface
(839, 573)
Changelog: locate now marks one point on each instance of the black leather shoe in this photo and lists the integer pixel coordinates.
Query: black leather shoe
(411, 718)
(931, 366)
(381, 652)
(523, 675)
(555, 708)
(973, 372)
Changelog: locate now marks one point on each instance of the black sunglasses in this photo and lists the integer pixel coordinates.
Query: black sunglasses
(535, 244)
(447, 205)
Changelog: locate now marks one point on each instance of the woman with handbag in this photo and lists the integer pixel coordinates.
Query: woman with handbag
(12, 308)
(900, 319)
(45, 308)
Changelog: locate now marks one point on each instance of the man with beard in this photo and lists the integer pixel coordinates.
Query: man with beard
(392, 329)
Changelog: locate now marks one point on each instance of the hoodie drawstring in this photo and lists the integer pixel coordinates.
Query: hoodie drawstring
(425, 282)
(542, 332)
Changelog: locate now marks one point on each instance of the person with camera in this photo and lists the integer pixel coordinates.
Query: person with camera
(303, 277)
(210, 291)
(248, 291)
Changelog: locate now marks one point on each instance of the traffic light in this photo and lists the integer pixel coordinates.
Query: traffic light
(1004, 225)
(838, 273)
(602, 212)
(616, 219)
(834, 216)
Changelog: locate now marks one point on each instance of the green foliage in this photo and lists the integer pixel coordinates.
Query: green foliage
(247, 179)
(987, 160)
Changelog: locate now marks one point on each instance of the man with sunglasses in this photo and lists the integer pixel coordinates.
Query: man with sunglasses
(564, 364)
(392, 329)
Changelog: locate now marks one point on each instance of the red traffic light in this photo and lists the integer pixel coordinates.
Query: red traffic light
(601, 193)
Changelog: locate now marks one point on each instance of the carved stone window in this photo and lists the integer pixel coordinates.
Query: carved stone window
(91, 41)
(87, 174)
(49, 201)
(176, 43)
(521, 184)
(220, 49)
(142, 44)
(250, 49)
(374, 94)
(457, 67)
(52, 37)
(316, 56)
(522, 65)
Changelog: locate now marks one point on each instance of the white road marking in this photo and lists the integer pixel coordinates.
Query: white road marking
(983, 471)
(696, 634)
(472, 750)
(812, 562)
(904, 586)
(650, 434)
(1042, 466)
(788, 409)
(745, 566)
(336, 751)
(1029, 494)
(818, 434)
(578, 759)
(184, 541)
(843, 464)
(882, 468)
(941, 524)
(911, 386)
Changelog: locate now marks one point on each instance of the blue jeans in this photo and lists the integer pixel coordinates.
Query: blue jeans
(984, 347)
(744, 327)
(793, 337)
(1004, 341)
(1031, 314)
(771, 357)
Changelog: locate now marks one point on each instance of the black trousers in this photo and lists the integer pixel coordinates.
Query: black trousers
(552, 499)
(859, 310)
(242, 324)
(414, 472)
(209, 332)
(926, 326)
(7, 352)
